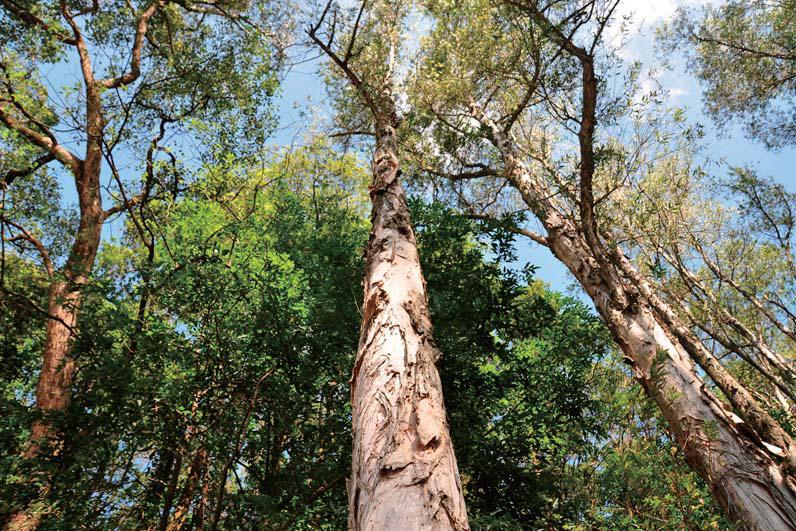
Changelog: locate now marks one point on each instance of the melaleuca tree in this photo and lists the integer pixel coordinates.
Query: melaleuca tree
(719, 250)
(531, 95)
(403, 472)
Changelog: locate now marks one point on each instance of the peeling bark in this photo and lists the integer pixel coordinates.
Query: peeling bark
(404, 474)
(744, 476)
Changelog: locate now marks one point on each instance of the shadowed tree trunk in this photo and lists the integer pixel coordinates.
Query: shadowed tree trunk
(196, 474)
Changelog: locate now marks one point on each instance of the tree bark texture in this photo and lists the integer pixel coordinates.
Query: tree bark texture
(54, 386)
(742, 473)
(404, 474)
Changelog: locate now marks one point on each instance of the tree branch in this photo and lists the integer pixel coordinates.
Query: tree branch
(340, 62)
(60, 153)
(533, 235)
(13, 174)
(31, 19)
(138, 41)
(33, 240)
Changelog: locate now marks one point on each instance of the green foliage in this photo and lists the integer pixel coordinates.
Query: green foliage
(744, 53)
(239, 368)
(206, 77)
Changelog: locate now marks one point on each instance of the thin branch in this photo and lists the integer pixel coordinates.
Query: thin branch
(33, 240)
(31, 19)
(38, 309)
(341, 63)
(533, 235)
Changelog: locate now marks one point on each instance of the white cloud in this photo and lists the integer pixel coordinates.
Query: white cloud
(639, 18)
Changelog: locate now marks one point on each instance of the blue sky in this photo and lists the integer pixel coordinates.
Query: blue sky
(303, 93)
(303, 90)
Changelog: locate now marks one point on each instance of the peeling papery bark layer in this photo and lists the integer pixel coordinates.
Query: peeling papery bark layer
(741, 470)
(404, 473)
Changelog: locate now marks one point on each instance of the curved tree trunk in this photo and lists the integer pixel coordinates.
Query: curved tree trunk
(54, 386)
(404, 474)
(741, 471)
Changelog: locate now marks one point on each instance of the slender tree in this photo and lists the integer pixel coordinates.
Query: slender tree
(137, 78)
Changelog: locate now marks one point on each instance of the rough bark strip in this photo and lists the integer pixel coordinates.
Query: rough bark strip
(404, 474)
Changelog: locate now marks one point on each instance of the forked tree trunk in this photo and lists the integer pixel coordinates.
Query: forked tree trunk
(54, 386)
(742, 474)
(404, 475)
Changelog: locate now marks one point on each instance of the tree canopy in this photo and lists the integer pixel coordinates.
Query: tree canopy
(186, 342)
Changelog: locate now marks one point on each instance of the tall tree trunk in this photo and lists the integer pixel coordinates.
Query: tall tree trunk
(54, 386)
(404, 474)
(743, 475)
(168, 499)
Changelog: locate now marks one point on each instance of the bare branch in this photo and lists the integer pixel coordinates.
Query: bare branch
(33, 240)
(351, 133)
(351, 41)
(533, 235)
(138, 41)
(38, 309)
(340, 62)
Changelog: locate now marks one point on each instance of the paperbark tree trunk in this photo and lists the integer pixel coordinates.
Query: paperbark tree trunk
(404, 474)
(742, 473)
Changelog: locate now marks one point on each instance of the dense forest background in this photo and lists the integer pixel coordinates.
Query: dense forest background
(188, 254)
